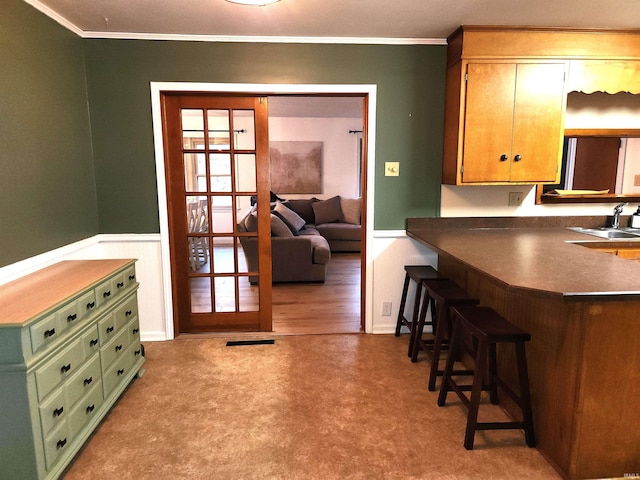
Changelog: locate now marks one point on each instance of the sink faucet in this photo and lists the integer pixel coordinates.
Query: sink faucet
(617, 210)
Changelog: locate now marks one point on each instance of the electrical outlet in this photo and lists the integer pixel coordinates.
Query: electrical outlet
(386, 309)
(515, 199)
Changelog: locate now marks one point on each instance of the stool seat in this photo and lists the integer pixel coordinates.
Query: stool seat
(487, 328)
(417, 274)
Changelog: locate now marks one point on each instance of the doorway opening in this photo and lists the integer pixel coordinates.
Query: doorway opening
(365, 92)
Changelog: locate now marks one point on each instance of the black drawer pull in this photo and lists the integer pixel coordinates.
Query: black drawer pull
(517, 158)
(137, 352)
(57, 412)
(61, 443)
(65, 368)
(109, 329)
(121, 371)
(128, 313)
(49, 333)
(132, 277)
(71, 318)
(107, 294)
(120, 284)
(135, 330)
(118, 348)
(90, 408)
(91, 305)
(87, 381)
(93, 343)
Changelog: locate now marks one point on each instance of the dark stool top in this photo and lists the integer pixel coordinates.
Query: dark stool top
(447, 291)
(421, 272)
(485, 321)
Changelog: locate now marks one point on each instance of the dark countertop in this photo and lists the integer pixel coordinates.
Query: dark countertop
(536, 254)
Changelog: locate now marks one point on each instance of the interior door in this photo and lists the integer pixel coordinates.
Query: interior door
(217, 170)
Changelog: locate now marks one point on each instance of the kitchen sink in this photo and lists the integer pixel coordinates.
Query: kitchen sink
(610, 233)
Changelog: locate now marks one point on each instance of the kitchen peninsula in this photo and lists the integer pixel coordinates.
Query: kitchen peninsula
(582, 309)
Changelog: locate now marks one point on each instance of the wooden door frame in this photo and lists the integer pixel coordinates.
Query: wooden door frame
(369, 124)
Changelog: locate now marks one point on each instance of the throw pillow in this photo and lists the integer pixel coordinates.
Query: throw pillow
(328, 211)
(295, 232)
(279, 228)
(351, 210)
(302, 207)
(291, 218)
(251, 222)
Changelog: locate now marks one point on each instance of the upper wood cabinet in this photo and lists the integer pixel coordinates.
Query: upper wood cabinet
(506, 96)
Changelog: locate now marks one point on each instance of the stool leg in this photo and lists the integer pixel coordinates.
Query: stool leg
(476, 391)
(414, 319)
(448, 368)
(403, 302)
(493, 373)
(419, 328)
(525, 395)
(441, 325)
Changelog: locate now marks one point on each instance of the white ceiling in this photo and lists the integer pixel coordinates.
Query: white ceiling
(384, 21)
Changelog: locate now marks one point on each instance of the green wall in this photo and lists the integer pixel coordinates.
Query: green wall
(410, 81)
(47, 181)
(76, 140)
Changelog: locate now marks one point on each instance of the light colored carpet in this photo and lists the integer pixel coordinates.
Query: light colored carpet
(309, 407)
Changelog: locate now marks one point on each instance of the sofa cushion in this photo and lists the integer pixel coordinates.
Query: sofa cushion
(321, 250)
(279, 228)
(327, 211)
(350, 210)
(294, 221)
(303, 208)
(340, 231)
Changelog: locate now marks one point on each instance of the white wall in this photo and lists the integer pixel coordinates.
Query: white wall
(340, 150)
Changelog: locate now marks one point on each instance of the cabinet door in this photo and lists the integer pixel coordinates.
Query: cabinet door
(537, 125)
(630, 253)
(489, 103)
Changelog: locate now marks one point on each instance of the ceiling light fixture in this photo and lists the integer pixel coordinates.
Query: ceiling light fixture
(259, 3)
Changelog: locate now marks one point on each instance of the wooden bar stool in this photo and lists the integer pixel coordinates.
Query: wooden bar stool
(417, 273)
(487, 328)
(442, 295)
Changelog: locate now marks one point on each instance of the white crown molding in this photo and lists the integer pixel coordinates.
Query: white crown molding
(264, 39)
(55, 16)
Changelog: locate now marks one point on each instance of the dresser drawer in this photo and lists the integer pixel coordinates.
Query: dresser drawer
(53, 411)
(55, 443)
(85, 409)
(114, 375)
(90, 342)
(83, 380)
(126, 312)
(135, 352)
(58, 369)
(119, 283)
(114, 349)
(105, 292)
(106, 329)
(130, 275)
(86, 303)
(44, 332)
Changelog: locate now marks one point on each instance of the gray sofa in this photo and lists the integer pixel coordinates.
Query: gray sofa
(300, 247)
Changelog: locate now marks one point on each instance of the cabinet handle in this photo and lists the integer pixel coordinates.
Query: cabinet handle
(93, 343)
(109, 329)
(135, 330)
(71, 318)
(87, 381)
(504, 157)
(128, 313)
(49, 333)
(120, 284)
(137, 352)
(65, 368)
(118, 348)
(61, 443)
(57, 412)
(132, 277)
(106, 294)
(121, 371)
(517, 158)
(90, 305)
(90, 408)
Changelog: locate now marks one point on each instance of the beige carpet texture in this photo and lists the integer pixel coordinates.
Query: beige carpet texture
(307, 407)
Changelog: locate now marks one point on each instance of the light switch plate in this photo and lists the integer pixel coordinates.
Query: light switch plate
(391, 169)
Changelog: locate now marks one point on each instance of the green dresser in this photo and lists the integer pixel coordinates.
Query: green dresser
(69, 347)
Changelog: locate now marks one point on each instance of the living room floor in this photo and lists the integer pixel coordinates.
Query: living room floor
(314, 308)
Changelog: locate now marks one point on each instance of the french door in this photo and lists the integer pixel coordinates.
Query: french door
(217, 171)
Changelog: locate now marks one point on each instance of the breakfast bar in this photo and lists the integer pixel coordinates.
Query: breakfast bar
(581, 306)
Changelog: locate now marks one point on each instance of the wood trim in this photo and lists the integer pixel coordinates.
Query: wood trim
(602, 132)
